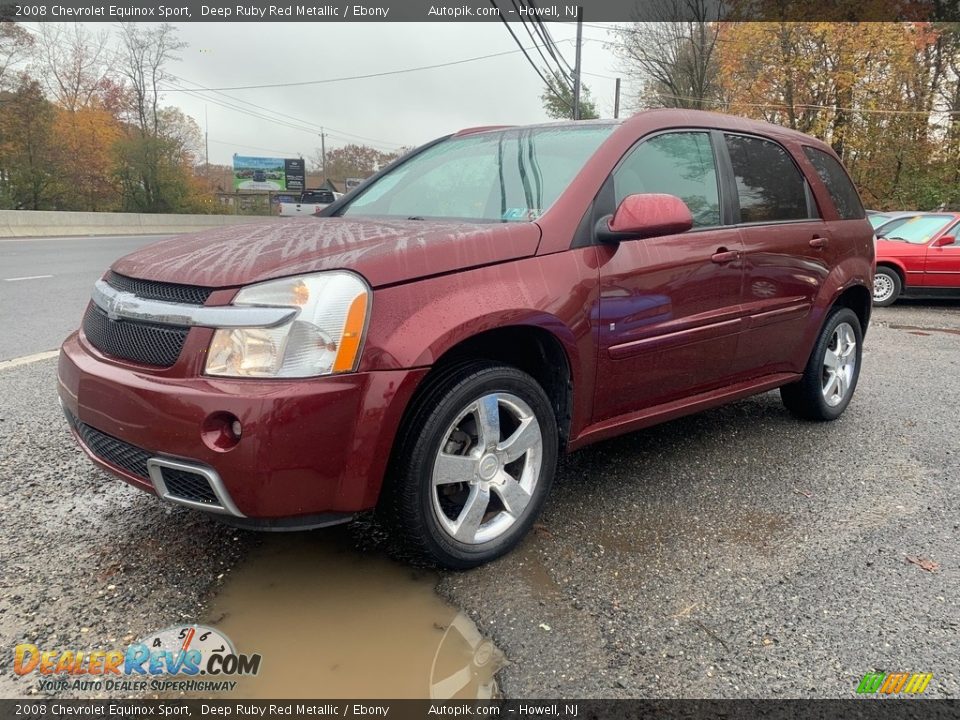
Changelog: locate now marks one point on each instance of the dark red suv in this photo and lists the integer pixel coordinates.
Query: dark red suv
(496, 297)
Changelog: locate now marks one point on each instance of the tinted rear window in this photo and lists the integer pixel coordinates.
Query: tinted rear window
(769, 185)
(841, 190)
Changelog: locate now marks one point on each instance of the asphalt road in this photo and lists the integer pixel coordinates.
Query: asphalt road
(735, 553)
(45, 285)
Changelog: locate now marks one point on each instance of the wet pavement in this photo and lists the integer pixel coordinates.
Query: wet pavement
(736, 553)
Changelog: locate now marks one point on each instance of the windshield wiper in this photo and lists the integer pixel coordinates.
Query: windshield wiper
(416, 217)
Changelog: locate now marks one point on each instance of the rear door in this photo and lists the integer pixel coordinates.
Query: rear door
(669, 306)
(787, 252)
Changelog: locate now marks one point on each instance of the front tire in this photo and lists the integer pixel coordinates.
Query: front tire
(474, 464)
(887, 286)
(831, 374)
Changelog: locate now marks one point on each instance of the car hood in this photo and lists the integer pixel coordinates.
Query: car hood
(384, 252)
(896, 248)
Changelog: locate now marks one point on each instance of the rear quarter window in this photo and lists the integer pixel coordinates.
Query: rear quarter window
(835, 178)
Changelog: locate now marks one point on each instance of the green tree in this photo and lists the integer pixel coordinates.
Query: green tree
(557, 99)
(16, 46)
(29, 151)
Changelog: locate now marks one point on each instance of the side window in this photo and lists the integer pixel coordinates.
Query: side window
(841, 190)
(769, 185)
(680, 164)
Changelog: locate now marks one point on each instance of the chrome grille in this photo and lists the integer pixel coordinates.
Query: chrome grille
(144, 343)
(152, 290)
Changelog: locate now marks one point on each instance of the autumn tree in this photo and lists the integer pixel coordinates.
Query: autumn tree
(557, 99)
(352, 161)
(874, 91)
(88, 137)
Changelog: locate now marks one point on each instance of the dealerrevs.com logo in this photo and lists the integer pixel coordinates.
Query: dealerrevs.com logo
(172, 659)
(894, 683)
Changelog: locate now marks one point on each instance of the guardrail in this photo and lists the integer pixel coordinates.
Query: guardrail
(53, 223)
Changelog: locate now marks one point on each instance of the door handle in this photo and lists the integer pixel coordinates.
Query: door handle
(722, 255)
(819, 243)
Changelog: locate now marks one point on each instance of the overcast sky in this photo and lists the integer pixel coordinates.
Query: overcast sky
(405, 109)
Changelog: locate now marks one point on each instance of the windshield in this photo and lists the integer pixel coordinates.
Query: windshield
(505, 176)
(878, 220)
(917, 230)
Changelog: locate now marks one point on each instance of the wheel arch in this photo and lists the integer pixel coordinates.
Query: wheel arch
(858, 299)
(533, 349)
(896, 267)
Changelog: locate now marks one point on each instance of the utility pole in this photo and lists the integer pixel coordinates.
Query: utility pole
(206, 140)
(616, 100)
(576, 67)
(323, 155)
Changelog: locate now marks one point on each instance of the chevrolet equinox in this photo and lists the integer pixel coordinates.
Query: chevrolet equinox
(432, 342)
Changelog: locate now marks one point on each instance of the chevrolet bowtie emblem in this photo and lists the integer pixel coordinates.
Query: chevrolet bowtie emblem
(116, 305)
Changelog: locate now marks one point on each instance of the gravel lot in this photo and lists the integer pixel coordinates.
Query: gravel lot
(736, 553)
(742, 553)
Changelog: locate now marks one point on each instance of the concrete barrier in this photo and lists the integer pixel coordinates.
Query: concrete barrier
(53, 223)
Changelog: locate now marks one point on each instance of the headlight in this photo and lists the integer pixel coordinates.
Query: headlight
(324, 337)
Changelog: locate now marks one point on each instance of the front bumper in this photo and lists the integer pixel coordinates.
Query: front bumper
(311, 448)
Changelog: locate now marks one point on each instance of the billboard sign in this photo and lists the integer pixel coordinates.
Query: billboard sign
(260, 173)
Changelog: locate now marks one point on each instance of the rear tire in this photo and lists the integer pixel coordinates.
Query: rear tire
(474, 463)
(830, 378)
(887, 286)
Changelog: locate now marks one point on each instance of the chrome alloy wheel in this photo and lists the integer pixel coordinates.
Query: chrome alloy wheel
(486, 469)
(839, 364)
(883, 287)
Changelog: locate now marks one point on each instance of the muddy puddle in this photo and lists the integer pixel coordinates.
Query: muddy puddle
(333, 622)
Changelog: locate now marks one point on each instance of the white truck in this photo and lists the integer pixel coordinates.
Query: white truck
(311, 201)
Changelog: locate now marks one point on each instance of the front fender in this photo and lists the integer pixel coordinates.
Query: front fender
(415, 324)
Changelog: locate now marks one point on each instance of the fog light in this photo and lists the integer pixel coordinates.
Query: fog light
(221, 431)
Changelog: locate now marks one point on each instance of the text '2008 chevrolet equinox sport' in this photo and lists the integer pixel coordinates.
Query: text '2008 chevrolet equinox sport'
(432, 343)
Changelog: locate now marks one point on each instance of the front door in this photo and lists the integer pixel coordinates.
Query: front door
(669, 306)
(942, 268)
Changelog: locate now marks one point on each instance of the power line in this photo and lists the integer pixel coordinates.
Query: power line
(544, 32)
(560, 72)
(281, 122)
(286, 116)
(282, 153)
(375, 75)
(526, 55)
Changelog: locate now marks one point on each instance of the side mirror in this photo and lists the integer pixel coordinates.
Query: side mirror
(945, 240)
(643, 216)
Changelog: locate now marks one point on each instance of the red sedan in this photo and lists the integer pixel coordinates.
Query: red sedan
(918, 256)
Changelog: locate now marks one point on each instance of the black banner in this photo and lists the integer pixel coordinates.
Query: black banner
(865, 708)
(296, 174)
(112, 11)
